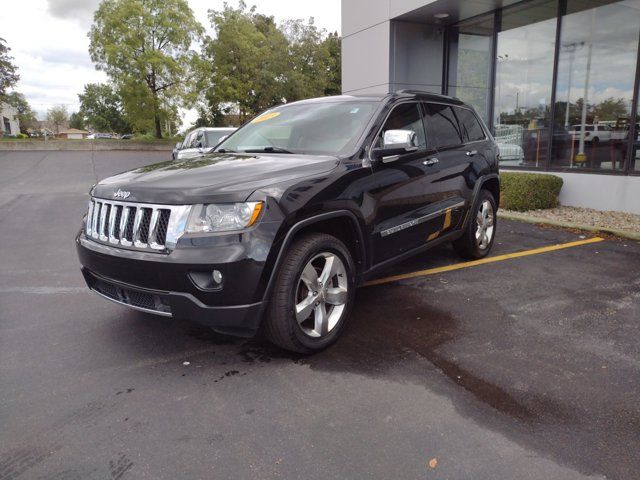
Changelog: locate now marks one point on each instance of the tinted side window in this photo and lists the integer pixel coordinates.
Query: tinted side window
(405, 117)
(444, 125)
(198, 140)
(471, 128)
(187, 141)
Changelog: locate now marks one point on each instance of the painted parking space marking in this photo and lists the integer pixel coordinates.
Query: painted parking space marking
(483, 261)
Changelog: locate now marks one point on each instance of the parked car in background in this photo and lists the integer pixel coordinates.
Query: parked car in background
(200, 141)
(99, 136)
(126, 136)
(511, 153)
(277, 226)
(592, 133)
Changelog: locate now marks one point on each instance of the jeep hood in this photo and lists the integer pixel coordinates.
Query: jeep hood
(213, 178)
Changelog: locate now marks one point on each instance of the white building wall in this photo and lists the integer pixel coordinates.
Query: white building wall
(365, 60)
(368, 37)
(7, 111)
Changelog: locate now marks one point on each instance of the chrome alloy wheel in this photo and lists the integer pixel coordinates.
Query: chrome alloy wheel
(484, 225)
(321, 294)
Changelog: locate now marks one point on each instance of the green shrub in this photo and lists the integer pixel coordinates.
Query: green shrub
(529, 191)
(22, 136)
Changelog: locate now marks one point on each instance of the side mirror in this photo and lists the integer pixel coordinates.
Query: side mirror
(178, 145)
(396, 142)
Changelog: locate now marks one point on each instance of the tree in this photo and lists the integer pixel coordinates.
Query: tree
(611, 109)
(57, 116)
(102, 108)
(333, 45)
(26, 116)
(313, 60)
(8, 71)
(76, 120)
(251, 64)
(144, 46)
(245, 62)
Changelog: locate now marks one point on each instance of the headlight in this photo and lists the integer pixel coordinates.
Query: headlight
(223, 217)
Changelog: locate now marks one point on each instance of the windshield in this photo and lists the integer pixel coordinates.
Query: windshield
(214, 136)
(330, 128)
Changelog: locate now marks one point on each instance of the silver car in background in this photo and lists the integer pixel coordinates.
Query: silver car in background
(199, 141)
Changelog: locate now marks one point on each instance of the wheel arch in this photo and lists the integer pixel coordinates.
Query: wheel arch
(492, 184)
(342, 224)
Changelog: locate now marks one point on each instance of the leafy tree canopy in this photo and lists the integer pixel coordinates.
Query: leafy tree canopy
(8, 71)
(57, 116)
(252, 64)
(101, 108)
(144, 47)
(76, 120)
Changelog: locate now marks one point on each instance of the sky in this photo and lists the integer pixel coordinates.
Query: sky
(48, 40)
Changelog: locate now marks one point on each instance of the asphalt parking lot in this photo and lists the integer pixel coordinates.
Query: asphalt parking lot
(525, 368)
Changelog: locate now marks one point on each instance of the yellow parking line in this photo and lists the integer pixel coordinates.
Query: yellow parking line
(482, 261)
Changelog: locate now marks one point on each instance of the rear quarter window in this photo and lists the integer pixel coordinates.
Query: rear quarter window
(444, 125)
(470, 125)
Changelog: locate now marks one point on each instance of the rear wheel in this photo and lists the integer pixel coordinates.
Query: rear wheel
(313, 295)
(477, 240)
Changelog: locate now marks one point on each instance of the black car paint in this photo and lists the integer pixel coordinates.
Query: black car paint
(299, 191)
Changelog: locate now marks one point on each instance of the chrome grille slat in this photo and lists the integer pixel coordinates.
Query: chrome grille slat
(136, 229)
(123, 227)
(96, 220)
(153, 226)
(103, 220)
(140, 226)
(90, 217)
(112, 224)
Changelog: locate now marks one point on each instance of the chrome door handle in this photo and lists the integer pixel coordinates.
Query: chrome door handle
(471, 153)
(430, 162)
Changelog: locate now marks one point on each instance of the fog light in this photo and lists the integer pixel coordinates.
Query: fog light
(207, 280)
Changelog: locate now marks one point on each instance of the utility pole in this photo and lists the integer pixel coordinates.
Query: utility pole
(580, 156)
(571, 48)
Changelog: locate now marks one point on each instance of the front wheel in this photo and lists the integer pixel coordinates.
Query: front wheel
(477, 240)
(313, 295)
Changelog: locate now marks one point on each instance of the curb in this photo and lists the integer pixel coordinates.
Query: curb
(555, 223)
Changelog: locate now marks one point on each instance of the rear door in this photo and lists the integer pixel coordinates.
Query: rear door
(461, 145)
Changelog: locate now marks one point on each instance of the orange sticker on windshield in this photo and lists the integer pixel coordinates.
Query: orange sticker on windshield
(265, 116)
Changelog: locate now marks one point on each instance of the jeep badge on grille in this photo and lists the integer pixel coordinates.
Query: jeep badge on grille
(121, 194)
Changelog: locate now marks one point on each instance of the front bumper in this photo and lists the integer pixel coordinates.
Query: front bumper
(238, 320)
(165, 284)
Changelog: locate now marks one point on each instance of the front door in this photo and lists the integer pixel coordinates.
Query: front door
(402, 191)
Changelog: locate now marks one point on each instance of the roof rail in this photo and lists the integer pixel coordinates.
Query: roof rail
(405, 91)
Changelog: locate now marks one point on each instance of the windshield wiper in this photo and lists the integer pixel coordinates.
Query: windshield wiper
(225, 150)
(270, 149)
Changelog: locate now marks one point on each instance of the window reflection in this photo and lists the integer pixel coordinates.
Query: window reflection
(594, 93)
(524, 76)
(635, 157)
(470, 63)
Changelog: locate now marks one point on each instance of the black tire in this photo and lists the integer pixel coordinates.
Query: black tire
(468, 246)
(280, 325)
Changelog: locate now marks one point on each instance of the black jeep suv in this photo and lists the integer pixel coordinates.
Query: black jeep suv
(276, 228)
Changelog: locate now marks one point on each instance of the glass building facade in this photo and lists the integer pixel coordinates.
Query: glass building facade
(556, 80)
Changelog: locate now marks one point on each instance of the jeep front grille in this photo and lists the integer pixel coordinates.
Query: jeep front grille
(140, 226)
